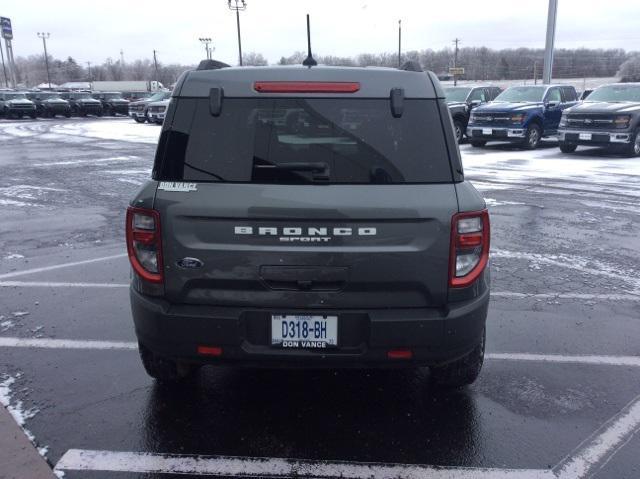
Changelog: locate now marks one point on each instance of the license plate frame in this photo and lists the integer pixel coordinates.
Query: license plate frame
(288, 331)
(585, 136)
(487, 131)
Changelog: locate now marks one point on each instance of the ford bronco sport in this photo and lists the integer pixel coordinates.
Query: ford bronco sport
(309, 217)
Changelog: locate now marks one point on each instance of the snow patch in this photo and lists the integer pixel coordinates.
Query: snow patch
(19, 314)
(13, 256)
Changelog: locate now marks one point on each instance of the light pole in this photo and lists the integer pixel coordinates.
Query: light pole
(206, 41)
(155, 63)
(547, 71)
(89, 65)
(237, 6)
(44, 37)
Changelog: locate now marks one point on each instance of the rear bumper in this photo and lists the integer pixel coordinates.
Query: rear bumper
(497, 133)
(595, 138)
(434, 336)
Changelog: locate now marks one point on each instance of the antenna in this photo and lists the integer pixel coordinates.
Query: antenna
(309, 61)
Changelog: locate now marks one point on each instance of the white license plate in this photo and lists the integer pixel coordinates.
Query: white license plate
(585, 136)
(304, 331)
(487, 131)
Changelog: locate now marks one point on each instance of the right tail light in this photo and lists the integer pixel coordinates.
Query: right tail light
(469, 253)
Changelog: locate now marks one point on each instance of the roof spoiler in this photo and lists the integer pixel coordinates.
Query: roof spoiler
(211, 65)
(411, 66)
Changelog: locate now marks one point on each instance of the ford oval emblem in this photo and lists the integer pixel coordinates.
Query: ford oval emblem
(189, 263)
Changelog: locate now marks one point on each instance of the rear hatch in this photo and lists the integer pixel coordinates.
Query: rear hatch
(313, 203)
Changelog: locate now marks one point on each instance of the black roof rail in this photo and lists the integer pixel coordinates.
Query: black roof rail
(211, 65)
(411, 66)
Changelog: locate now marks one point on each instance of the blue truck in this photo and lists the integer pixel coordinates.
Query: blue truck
(521, 114)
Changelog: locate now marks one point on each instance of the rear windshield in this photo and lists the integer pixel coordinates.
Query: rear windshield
(267, 140)
(616, 93)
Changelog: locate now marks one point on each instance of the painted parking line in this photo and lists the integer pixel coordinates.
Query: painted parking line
(13, 274)
(48, 343)
(495, 294)
(228, 466)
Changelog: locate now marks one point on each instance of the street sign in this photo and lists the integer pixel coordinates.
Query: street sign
(456, 71)
(5, 25)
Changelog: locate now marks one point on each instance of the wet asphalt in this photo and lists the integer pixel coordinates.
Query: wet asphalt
(565, 277)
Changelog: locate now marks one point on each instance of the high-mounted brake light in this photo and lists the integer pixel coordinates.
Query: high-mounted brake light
(144, 243)
(305, 87)
(469, 253)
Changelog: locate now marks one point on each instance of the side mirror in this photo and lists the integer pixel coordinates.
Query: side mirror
(552, 104)
(475, 103)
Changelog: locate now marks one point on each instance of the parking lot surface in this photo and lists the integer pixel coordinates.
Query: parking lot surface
(559, 395)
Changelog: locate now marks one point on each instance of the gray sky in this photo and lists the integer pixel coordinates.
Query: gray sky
(93, 31)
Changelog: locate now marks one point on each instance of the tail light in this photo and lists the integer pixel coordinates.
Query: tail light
(144, 243)
(469, 254)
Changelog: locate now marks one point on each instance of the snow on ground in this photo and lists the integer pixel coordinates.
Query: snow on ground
(123, 129)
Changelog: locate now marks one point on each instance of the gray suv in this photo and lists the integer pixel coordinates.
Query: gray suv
(309, 217)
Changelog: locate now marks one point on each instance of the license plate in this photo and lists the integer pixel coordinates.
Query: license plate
(585, 136)
(487, 131)
(304, 331)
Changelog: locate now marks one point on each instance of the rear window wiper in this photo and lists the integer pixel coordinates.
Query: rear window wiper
(320, 169)
(200, 170)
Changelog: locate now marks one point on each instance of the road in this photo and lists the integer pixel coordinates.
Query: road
(559, 395)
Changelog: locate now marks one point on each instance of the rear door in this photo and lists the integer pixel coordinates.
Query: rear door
(305, 203)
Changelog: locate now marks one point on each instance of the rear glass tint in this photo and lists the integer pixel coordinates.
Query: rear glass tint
(277, 140)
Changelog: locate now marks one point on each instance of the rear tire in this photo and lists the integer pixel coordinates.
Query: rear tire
(33, 115)
(633, 148)
(458, 129)
(461, 372)
(163, 369)
(139, 120)
(478, 143)
(532, 138)
(568, 147)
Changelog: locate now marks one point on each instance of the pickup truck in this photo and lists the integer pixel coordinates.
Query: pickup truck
(462, 99)
(609, 118)
(521, 114)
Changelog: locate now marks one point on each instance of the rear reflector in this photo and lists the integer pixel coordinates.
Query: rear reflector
(305, 87)
(210, 350)
(400, 354)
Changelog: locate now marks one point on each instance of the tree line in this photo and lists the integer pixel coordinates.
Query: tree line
(480, 63)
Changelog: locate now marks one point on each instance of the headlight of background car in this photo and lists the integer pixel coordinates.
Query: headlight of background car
(622, 121)
(563, 120)
(472, 117)
(518, 118)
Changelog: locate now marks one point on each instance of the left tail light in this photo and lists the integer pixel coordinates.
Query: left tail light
(469, 253)
(144, 243)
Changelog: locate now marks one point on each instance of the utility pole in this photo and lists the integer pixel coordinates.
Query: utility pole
(547, 73)
(4, 68)
(89, 65)
(206, 41)
(399, 43)
(121, 58)
(535, 72)
(237, 6)
(455, 61)
(155, 63)
(44, 37)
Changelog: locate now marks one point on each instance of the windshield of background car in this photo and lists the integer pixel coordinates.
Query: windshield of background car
(49, 96)
(159, 96)
(81, 96)
(259, 140)
(112, 96)
(456, 93)
(15, 96)
(614, 93)
(522, 94)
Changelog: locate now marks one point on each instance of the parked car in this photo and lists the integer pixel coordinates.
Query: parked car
(521, 114)
(462, 99)
(610, 117)
(344, 236)
(137, 95)
(82, 103)
(112, 103)
(156, 111)
(138, 109)
(49, 104)
(15, 104)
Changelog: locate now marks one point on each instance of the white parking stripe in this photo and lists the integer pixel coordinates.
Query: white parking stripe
(603, 444)
(46, 343)
(633, 361)
(53, 284)
(13, 274)
(140, 462)
(601, 360)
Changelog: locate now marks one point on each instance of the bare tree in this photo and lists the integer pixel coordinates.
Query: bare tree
(630, 70)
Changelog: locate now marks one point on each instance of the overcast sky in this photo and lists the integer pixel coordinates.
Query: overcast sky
(95, 30)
